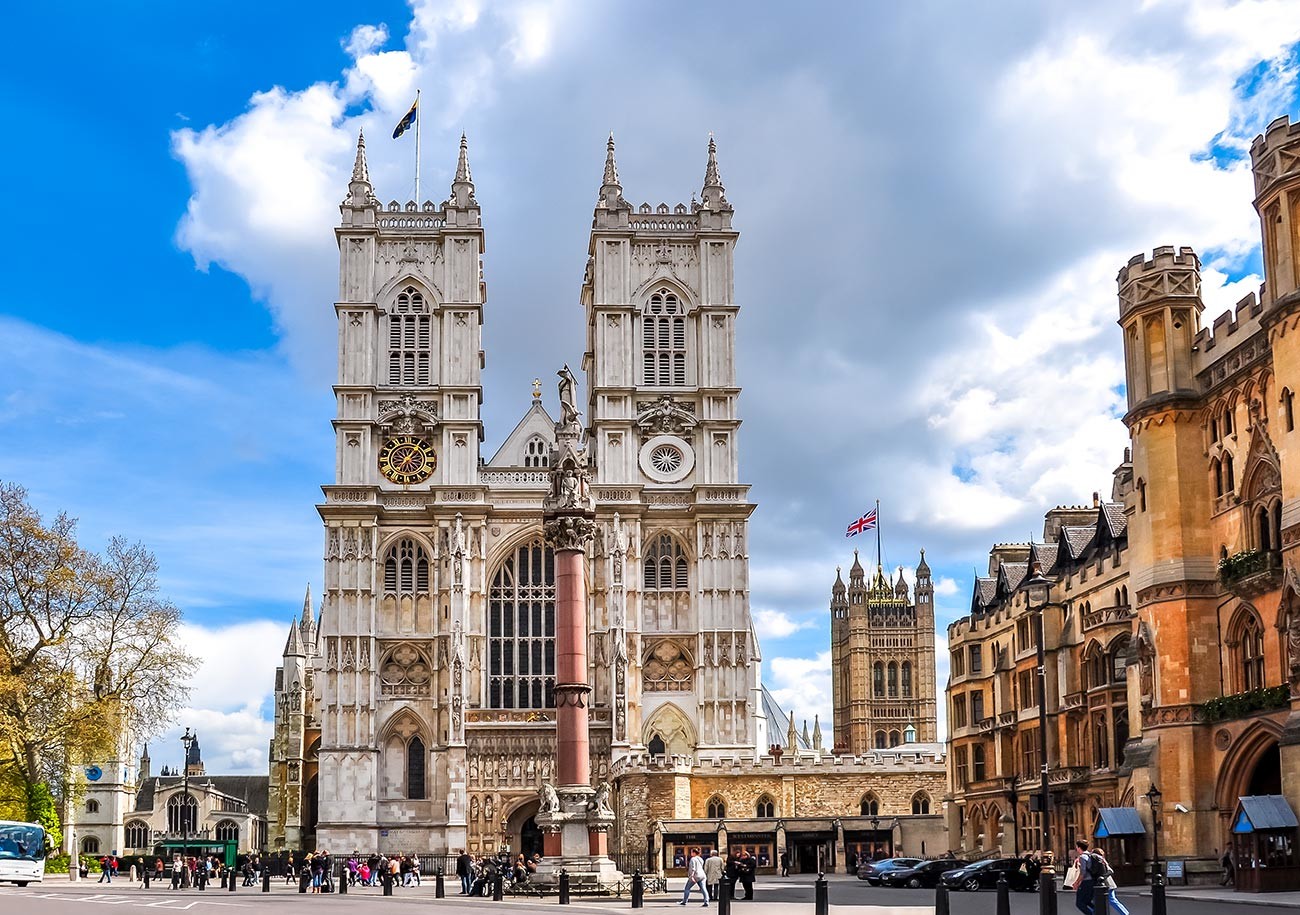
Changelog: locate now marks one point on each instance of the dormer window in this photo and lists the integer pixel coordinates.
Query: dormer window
(663, 340)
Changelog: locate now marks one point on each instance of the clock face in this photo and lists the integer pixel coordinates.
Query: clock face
(406, 459)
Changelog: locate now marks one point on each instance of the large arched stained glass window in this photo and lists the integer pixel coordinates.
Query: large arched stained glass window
(521, 630)
(182, 813)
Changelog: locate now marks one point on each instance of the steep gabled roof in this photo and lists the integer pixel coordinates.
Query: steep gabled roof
(1113, 514)
(535, 422)
(1077, 539)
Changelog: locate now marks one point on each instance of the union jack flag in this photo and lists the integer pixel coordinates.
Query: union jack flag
(865, 523)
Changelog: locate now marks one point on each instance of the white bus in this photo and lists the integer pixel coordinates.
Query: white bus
(22, 852)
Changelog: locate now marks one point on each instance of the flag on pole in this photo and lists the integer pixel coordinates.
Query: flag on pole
(409, 119)
(865, 523)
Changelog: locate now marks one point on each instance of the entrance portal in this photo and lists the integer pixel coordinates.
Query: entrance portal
(530, 838)
(522, 830)
(1267, 777)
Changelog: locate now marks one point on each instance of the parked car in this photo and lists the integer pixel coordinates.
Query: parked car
(872, 870)
(985, 874)
(924, 874)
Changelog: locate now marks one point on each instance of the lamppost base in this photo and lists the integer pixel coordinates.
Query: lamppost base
(1047, 890)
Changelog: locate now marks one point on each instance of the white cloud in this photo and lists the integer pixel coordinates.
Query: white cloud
(776, 624)
(946, 587)
(802, 687)
(365, 39)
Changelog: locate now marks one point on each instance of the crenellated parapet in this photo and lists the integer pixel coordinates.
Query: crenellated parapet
(1168, 277)
(1275, 155)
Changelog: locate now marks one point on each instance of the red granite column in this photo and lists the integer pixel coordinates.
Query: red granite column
(572, 744)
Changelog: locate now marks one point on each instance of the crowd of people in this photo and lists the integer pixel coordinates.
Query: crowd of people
(478, 873)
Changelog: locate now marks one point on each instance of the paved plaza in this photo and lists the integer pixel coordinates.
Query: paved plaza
(777, 897)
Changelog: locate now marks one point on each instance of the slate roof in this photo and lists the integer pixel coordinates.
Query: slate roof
(1078, 538)
(1014, 573)
(1115, 517)
(1266, 811)
(778, 723)
(1118, 821)
(253, 790)
(986, 589)
(1046, 554)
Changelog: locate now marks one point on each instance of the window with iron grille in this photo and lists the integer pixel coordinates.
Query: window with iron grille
(521, 630)
(663, 340)
(409, 339)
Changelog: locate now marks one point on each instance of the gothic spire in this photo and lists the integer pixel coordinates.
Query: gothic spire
(611, 192)
(806, 739)
(817, 733)
(792, 743)
(360, 171)
(293, 645)
(922, 568)
(611, 167)
(306, 607)
(713, 196)
(462, 186)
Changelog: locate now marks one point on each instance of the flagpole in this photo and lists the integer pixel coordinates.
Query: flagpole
(878, 559)
(417, 147)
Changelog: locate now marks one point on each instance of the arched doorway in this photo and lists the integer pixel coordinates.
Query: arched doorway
(521, 826)
(1267, 777)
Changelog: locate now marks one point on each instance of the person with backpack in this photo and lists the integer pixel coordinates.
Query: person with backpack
(1084, 881)
(1106, 877)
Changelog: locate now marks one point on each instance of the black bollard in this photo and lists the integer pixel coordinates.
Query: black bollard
(1158, 897)
(821, 902)
(146, 878)
(388, 883)
(724, 896)
(638, 890)
(266, 877)
(344, 874)
(1004, 895)
(498, 888)
(940, 899)
(304, 880)
(1101, 899)
(564, 887)
(439, 887)
(234, 878)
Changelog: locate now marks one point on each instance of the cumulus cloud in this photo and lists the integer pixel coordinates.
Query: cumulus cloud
(776, 624)
(944, 340)
(802, 687)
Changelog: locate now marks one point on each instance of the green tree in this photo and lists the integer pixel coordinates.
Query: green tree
(90, 654)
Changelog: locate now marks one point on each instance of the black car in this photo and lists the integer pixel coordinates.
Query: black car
(873, 870)
(925, 874)
(984, 875)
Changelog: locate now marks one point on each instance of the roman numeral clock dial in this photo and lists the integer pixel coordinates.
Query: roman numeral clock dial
(406, 459)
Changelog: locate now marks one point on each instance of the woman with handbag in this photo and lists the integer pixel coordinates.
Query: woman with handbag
(1106, 876)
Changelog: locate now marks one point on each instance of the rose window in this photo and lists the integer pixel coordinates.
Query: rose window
(666, 458)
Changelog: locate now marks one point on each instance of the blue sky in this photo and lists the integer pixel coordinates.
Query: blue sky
(933, 202)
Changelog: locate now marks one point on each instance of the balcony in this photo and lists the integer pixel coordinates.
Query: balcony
(1251, 573)
(1072, 702)
(985, 725)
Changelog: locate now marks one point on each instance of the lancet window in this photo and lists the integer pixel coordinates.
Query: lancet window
(663, 340)
(409, 339)
(406, 569)
(521, 630)
(537, 453)
(227, 831)
(182, 813)
(136, 834)
(665, 583)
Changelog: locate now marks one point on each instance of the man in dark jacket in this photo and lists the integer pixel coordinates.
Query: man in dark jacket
(747, 864)
(465, 871)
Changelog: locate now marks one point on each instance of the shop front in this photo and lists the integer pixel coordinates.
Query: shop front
(811, 851)
(760, 845)
(863, 845)
(679, 848)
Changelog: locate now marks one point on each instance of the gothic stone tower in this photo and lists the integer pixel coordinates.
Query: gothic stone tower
(671, 576)
(882, 660)
(291, 799)
(399, 518)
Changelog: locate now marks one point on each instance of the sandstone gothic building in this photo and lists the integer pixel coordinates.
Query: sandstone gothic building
(882, 660)
(1174, 616)
(418, 713)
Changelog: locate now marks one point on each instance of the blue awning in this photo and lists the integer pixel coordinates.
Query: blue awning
(1268, 811)
(1118, 821)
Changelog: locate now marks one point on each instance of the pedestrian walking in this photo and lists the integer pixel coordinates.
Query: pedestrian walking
(748, 867)
(1105, 875)
(713, 873)
(105, 870)
(785, 864)
(695, 877)
(1084, 882)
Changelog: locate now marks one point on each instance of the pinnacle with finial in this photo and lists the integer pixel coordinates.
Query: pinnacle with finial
(711, 176)
(360, 172)
(306, 607)
(537, 389)
(462, 162)
(611, 167)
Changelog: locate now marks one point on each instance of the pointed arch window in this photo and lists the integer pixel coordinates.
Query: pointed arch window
(906, 673)
(716, 808)
(136, 834)
(920, 804)
(878, 680)
(1248, 641)
(663, 340)
(415, 768)
(227, 831)
(869, 806)
(406, 569)
(182, 813)
(521, 630)
(882, 740)
(1216, 470)
(892, 675)
(656, 746)
(409, 339)
(1229, 475)
(537, 453)
(90, 845)
(666, 568)
(92, 806)
(765, 808)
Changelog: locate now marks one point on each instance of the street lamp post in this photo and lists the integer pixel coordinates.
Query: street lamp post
(1037, 590)
(1157, 875)
(186, 740)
